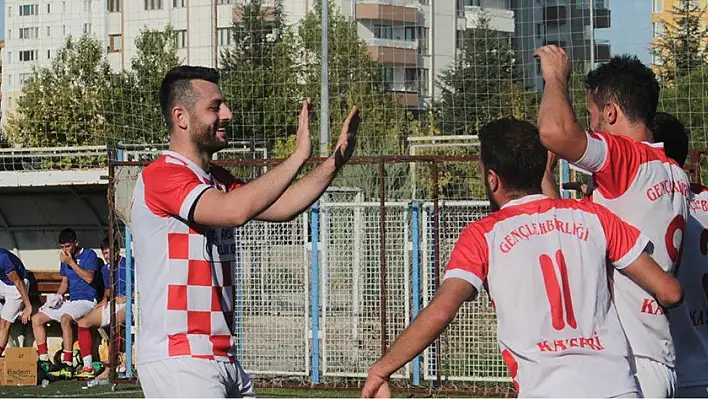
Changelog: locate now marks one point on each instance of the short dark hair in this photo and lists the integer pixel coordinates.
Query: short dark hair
(176, 86)
(67, 236)
(627, 82)
(105, 244)
(513, 149)
(669, 130)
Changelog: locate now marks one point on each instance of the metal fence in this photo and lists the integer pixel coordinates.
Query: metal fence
(320, 298)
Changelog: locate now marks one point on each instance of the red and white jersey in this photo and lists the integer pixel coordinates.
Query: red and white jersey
(184, 271)
(543, 262)
(689, 321)
(641, 185)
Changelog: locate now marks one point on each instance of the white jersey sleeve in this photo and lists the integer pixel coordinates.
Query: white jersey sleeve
(595, 154)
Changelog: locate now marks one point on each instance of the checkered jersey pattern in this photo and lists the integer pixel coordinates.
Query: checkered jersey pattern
(184, 271)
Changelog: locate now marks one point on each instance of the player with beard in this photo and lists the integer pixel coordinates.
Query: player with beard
(542, 261)
(183, 215)
(633, 178)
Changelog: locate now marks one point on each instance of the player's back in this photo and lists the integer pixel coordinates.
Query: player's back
(646, 189)
(689, 321)
(547, 278)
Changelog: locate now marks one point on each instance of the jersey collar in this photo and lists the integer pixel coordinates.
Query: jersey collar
(203, 174)
(524, 200)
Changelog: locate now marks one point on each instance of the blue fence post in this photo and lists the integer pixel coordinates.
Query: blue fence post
(128, 302)
(239, 295)
(416, 280)
(431, 292)
(564, 177)
(315, 294)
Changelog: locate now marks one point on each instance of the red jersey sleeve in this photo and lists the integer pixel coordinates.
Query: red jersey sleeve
(171, 188)
(224, 177)
(470, 258)
(624, 242)
(614, 161)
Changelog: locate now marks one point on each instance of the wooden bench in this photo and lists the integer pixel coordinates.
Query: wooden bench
(43, 283)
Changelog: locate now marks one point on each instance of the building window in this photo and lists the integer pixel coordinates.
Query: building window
(459, 43)
(63, 30)
(383, 32)
(657, 29)
(179, 3)
(411, 79)
(87, 5)
(411, 33)
(472, 3)
(424, 41)
(180, 38)
(153, 4)
(657, 5)
(224, 1)
(29, 33)
(224, 36)
(28, 55)
(424, 82)
(29, 9)
(49, 54)
(49, 8)
(114, 5)
(539, 31)
(49, 31)
(115, 43)
(87, 28)
(387, 76)
(9, 80)
(24, 77)
(9, 33)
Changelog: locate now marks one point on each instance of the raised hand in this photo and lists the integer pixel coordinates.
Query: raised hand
(554, 63)
(347, 138)
(303, 144)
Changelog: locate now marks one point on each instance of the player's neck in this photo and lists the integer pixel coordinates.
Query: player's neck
(637, 132)
(200, 159)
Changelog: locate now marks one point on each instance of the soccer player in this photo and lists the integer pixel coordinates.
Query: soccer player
(633, 178)
(100, 316)
(183, 215)
(13, 292)
(542, 261)
(77, 269)
(688, 321)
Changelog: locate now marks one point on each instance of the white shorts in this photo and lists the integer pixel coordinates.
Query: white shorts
(656, 380)
(699, 391)
(186, 377)
(14, 305)
(75, 309)
(106, 312)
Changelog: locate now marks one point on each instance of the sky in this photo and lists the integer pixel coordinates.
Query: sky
(630, 28)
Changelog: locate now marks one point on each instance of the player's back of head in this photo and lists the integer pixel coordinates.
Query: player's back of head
(669, 130)
(628, 83)
(513, 149)
(177, 89)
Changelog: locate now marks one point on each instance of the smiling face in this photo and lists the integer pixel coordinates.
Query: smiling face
(209, 117)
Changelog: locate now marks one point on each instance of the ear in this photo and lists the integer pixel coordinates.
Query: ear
(493, 181)
(612, 112)
(180, 117)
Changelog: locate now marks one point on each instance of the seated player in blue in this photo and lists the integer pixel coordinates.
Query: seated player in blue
(77, 270)
(13, 292)
(100, 316)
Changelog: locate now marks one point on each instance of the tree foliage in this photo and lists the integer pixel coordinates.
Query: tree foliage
(682, 47)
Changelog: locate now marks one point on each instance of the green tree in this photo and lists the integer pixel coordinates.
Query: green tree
(62, 105)
(484, 83)
(134, 105)
(687, 99)
(259, 73)
(355, 78)
(682, 47)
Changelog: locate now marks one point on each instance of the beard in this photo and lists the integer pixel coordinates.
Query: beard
(206, 140)
(493, 205)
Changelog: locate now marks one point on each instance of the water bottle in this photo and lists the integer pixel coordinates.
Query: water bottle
(45, 383)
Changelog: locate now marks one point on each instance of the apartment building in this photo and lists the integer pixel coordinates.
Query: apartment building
(571, 24)
(661, 13)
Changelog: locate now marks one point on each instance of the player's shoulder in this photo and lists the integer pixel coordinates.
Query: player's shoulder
(626, 146)
(165, 165)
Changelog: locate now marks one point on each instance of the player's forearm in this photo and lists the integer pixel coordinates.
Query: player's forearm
(20, 285)
(558, 127)
(301, 195)
(253, 198)
(431, 322)
(63, 287)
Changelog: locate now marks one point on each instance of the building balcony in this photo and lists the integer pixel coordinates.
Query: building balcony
(555, 15)
(407, 98)
(499, 20)
(401, 11)
(390, 51)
